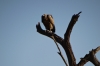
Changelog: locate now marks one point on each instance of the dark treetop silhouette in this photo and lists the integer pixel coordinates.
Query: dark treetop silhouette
(65, 43)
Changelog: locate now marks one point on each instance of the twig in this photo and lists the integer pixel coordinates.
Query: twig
(60, 52)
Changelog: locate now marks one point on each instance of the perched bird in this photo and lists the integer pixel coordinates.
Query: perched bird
(48, 22)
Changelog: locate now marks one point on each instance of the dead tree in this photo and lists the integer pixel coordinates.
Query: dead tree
(65, 43)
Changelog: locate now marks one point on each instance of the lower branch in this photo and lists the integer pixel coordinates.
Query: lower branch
(90, 57)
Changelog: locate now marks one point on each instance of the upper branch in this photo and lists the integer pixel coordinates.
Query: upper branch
(74, 19)
(67, 47)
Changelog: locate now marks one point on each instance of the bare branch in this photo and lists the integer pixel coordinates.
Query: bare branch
(60, 52)
(96, 50)
(67, 47)
(49, 34)
(90, 57)
(63, 58)
(93, 58)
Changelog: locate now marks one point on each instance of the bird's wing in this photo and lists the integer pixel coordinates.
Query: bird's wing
(51, 20)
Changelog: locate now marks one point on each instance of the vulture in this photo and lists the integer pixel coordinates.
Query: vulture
(48, 22)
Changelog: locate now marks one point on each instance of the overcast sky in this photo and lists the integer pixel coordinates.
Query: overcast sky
(22, 45)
